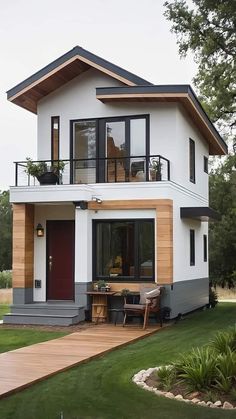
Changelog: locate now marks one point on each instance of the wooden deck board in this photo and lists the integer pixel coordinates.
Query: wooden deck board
(23, 367)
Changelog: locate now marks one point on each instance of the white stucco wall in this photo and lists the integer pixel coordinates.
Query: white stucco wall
(170, 130)
(170, 127)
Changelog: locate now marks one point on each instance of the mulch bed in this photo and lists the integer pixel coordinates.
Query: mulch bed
(180, 388)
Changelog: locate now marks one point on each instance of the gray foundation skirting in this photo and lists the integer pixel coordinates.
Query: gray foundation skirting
(185, 296)
(22, 295)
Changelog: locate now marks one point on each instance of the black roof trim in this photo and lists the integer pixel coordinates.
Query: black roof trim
(199, 213)
(168, 88)
(70, 54)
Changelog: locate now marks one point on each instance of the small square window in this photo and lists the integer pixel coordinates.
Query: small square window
(205, 164)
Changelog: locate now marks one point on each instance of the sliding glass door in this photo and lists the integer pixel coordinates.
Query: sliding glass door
(84, 151)
(110, 149)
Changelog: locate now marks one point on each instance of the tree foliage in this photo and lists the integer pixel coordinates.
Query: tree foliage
(208, 29)
(222, 235)
(5, 231)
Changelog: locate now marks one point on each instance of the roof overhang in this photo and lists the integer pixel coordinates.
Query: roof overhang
(169, 93)
(70, 65)
(199, 213)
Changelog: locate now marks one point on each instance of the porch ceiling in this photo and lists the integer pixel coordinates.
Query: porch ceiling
(199, 213)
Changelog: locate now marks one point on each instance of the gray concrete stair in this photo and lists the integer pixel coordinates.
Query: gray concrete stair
(51, 314)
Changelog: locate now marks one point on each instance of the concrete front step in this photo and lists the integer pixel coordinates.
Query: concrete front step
(50, 309)
(42, 314)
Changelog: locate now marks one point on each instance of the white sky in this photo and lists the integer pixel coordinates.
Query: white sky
(130, 33)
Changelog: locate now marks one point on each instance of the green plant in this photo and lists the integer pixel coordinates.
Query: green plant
(125, 292)
(38, 169)
(101, 284)
(197, 369)
(223, 341)
(155, 165)
(233, 394)
(6, 279)
(166, 376)
(213, 298)
(226, 370)
(211, 395)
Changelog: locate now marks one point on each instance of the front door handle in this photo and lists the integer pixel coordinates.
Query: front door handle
(50, 263)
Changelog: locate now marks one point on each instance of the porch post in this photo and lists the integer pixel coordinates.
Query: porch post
(83, 255)
(23, 253)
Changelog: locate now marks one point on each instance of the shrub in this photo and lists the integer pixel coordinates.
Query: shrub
(197, 369)
(5, 279)
(213, 297)
(166, 377)
(226, 370)
(223, 341)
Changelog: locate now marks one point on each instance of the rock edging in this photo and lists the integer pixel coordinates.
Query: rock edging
(140, 380)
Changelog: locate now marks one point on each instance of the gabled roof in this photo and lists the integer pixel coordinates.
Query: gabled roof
(183, 94)
(27, 93)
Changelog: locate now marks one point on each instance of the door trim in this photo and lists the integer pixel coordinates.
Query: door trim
(73, 271)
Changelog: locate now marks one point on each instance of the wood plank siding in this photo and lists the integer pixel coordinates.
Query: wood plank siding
(23, 245)
(163, 233)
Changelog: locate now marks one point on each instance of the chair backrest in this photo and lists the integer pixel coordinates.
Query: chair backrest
(154, 292)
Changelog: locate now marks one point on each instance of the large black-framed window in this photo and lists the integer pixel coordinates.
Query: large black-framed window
(116, 143)
(192, 247)
(123, 250)
(192, 176)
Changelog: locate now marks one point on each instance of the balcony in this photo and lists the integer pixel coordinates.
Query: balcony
(89, 171)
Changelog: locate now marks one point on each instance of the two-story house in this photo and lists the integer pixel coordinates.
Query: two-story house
(130, 206)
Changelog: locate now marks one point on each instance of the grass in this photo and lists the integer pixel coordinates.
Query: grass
(4, 308)
(102, 389)
(11, 339)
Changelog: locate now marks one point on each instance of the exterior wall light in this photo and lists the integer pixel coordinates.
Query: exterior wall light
(98, 200)
(40, 230)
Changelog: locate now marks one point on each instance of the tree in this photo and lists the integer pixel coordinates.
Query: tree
(222, 235)
(5, 231)
(209, 31)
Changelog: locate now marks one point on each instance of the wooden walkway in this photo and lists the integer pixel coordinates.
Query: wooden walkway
(23, 367)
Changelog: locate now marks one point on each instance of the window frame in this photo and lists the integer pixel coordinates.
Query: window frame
(205, 164)
(53, 118)
(192, 161)
(192, 247)
(135, 278)
(101, 137)
(205, 248)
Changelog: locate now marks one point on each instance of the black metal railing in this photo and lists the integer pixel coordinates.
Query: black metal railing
(99, 170)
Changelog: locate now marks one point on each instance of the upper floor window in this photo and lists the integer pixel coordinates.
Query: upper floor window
(192, 247)
(205, 164)
(55, 126)
(110, 149)
(192, 161)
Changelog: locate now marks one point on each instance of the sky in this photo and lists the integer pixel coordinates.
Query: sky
(133, 34)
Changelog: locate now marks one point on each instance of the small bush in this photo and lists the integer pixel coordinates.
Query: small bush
(213, 297)
(6, 279)
(166, 377)
(223, 341)
(197, 369)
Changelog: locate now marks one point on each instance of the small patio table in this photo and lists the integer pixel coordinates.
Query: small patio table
(99, 304)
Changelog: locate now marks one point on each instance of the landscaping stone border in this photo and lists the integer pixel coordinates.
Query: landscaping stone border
(141, 377)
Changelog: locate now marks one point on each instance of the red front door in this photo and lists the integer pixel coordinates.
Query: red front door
(60, 260)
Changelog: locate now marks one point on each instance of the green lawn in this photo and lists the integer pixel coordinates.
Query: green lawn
(103, 389)
(17, 338)
(4, 308)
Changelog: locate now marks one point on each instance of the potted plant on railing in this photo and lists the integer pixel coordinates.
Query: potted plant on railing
(155, 169)
(46, 174)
